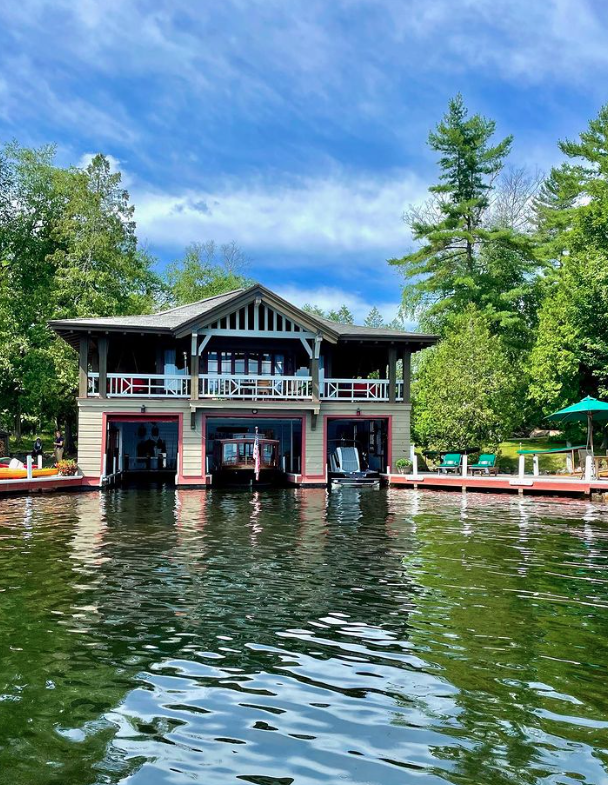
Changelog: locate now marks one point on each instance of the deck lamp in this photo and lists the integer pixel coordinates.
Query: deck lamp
(254, 411)
(358, 412)
(143, 408)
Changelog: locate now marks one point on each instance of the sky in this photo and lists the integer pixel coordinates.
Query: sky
(296, 128)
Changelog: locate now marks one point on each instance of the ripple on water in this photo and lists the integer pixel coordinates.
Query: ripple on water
(158, 636)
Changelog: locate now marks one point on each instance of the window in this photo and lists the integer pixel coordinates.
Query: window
(254, 363)
(212, 363)
(266, 364)
(239, 362)
(227, 362)
(279, 364)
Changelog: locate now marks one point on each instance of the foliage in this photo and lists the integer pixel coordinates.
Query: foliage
(570, 356)
(401, 464)
(207, 270)
(67, 248)
(464, 394)
(343, 315)
(67, 468)
(374, 318)
(473, 247)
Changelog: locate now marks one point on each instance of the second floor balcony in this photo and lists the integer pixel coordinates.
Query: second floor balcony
(243, 387)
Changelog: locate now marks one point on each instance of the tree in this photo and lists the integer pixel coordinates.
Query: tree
(374, 318)
(465, 393)
(457, 226)
(206, 270)
(67, 248)
(342, 314)
(570, 356)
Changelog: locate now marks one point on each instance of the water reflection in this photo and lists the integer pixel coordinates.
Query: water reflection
(305, 636)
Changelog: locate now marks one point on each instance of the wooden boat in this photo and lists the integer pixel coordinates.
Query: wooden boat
(233, 459)
(21, 474)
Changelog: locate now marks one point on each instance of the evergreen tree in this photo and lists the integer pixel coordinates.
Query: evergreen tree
(455, 227)
(206, 270)
(374, 318)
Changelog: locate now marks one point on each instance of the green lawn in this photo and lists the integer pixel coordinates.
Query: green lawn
(508, 457)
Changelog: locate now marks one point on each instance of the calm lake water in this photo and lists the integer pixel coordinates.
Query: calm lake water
(160, 637)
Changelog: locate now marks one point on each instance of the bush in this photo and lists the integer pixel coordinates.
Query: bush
(402, 464)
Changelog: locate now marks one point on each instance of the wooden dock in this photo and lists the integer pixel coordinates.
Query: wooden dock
(502, 483)
(42, 485)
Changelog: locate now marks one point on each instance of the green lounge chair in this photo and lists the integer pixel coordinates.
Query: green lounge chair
(486, 464)
(451, 462)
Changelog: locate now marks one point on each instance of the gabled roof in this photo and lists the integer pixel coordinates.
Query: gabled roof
(182, 320)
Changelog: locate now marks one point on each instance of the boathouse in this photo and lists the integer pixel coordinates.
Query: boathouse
(156, 392)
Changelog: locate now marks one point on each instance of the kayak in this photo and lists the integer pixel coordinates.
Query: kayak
(20, 474)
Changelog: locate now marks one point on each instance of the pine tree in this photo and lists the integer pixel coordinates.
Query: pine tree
(445, 273)
(374, 318)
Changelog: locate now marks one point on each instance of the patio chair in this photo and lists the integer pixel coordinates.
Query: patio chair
(451, 462)
(485, 465)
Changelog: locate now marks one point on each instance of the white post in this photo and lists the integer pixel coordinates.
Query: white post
(589, 466)
(40, 461)
(114, 464)
(522, 466)
(415, 466)
(104, 467)
(535, 466)
(28, 467)
(465, 464)
(177, 468)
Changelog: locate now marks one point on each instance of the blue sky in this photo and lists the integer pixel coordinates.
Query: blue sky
(295, 127)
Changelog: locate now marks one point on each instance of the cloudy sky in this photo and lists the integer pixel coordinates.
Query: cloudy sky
(295, 127)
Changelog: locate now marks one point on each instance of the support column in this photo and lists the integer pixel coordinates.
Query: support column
(392, 374)
(102, 345)
(407, 376)
(314, 375)
(83, 367)
(194, 361)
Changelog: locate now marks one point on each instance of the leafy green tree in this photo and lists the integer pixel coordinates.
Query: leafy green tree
(67, 248)
(374, 318)
(313, 309)
(461, 239)
(465, 392)
(206, 270)
(570, 356)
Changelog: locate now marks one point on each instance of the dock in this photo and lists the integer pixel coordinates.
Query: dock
(42, 485)
(502, 483)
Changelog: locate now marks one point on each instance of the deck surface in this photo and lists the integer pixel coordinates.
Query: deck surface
(41, 484)
(512, 483)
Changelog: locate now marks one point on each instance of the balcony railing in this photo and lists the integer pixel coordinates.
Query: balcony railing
(136, 385)
(242, 387)
(254, 388)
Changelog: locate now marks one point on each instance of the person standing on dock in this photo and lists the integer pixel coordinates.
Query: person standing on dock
(58, 446)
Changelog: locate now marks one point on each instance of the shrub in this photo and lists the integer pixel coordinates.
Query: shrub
(401, 464)
(67, 468)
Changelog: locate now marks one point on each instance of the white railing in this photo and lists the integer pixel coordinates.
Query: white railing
(399, 389)
(355, 390)
(253, 388)
(136, 385)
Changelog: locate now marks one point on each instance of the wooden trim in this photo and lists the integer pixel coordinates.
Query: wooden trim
(102, 346)
(407, 376)
(83, 367)
(392, 374)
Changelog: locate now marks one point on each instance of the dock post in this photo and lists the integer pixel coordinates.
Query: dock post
(40, 461)
(465, 464)
(535, 469)
(414, 465)
(28, 467)
(104, 467)
(589, 466)
(522, 466)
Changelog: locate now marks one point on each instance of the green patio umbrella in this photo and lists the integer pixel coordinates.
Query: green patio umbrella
(588, 409)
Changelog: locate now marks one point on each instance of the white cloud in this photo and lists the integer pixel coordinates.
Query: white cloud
(339, 213)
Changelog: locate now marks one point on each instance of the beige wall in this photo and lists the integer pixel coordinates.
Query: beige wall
(90, 412)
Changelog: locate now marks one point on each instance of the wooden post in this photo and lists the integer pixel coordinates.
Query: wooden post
(40, 461)
(415, 466)
(194, 360)
(314, 375)
(83, 367)
(407, 376)
(392, 374)
(102, 344)
(589, 467)
(535, 466)
(522, 466)
(28, 467)
(465, 463)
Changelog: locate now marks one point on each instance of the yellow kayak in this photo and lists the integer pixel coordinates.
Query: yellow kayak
(20, 474)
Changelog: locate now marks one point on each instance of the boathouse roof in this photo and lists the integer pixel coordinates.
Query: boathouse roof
(180, 320)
